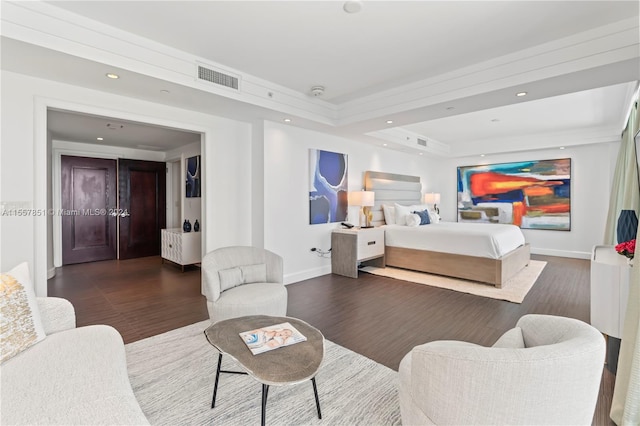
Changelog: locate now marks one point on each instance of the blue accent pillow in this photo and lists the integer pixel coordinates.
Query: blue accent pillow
(424, 217)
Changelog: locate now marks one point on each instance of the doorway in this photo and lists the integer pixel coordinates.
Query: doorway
(66, 128)
(111, 215)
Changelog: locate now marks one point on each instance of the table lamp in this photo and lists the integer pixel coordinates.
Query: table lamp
(363, 199)
(432, 198)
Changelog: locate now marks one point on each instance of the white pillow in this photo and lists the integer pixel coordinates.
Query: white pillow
(389, 214)
(20, 323)
(421, 207)
(412, 219)
(254, 273)
(433, 216)
(230, 278)
(401, 213)
(245, 274)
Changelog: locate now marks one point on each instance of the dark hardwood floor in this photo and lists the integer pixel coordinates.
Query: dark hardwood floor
(378, 317)
(138, 297)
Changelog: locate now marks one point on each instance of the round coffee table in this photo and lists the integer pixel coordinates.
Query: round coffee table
(282, 366)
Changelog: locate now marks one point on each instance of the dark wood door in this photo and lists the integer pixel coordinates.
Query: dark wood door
(88, 187)
(142, 212)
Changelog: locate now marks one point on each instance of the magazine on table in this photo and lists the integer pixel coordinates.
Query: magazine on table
(271, 337)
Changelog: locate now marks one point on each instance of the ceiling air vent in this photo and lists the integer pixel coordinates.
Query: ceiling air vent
(217, 77)
(422, 142)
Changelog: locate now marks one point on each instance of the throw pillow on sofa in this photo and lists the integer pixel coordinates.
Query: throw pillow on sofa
(20, 323)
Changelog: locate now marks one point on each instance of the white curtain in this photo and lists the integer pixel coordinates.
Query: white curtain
(625, 190)
(625, 407)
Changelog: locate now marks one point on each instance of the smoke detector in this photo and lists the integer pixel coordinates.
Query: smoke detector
(352, 6)
(317, 90)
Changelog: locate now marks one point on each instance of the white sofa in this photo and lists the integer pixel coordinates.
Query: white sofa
(75, 376)
(546, 370)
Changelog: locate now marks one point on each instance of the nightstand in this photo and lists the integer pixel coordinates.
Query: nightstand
(349, 247)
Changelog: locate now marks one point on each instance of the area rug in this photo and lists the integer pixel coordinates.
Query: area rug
(172, 375)
(513, 290)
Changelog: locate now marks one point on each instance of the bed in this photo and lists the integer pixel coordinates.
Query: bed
(488, 253)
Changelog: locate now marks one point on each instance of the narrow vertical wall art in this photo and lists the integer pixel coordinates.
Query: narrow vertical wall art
(328, 183)
(192, 167)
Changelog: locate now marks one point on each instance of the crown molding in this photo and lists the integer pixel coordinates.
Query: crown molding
(54, 28)
(610, 44)
(541, 141)
(608, 52)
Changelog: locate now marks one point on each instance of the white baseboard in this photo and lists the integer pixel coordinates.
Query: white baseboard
(561, 253)
(51, 273)
(307, 274)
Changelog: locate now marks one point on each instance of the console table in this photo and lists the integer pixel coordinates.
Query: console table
(610, 275)
(183, 248)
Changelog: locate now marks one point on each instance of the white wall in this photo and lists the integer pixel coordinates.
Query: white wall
(226, 185)
(592, 169)
(286, 193)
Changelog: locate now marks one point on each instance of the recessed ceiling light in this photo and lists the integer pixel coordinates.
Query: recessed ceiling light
(520, 94)
(287, 120)
(165, 91)
(99, 139)
(562, 147)
(112, 75)
(419, 153)
(352, 6)
(389, 121)
(384, 144)
(495, 120)
(449, 108)
(481, 155)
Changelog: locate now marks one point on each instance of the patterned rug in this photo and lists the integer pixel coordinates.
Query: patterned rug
(513, 290)
(172, 376)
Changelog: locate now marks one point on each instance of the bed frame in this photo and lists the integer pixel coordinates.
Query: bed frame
(403, 189)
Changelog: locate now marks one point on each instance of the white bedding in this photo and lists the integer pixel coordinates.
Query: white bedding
(471, 239)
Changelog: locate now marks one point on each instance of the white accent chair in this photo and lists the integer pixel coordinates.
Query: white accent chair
(546, 370)
(239, 281)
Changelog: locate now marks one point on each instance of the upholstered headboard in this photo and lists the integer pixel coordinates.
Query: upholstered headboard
(391, 188)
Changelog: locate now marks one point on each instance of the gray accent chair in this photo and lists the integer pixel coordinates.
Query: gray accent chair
(546, 370)
(239, 281)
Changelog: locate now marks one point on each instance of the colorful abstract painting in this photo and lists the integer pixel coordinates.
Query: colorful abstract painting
(327, 187)
(529, 194)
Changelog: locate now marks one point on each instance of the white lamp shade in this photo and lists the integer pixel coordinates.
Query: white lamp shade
(362, 198)
(432, 198)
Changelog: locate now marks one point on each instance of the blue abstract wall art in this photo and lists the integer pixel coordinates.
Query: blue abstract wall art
(328, 184)
(193, 177)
